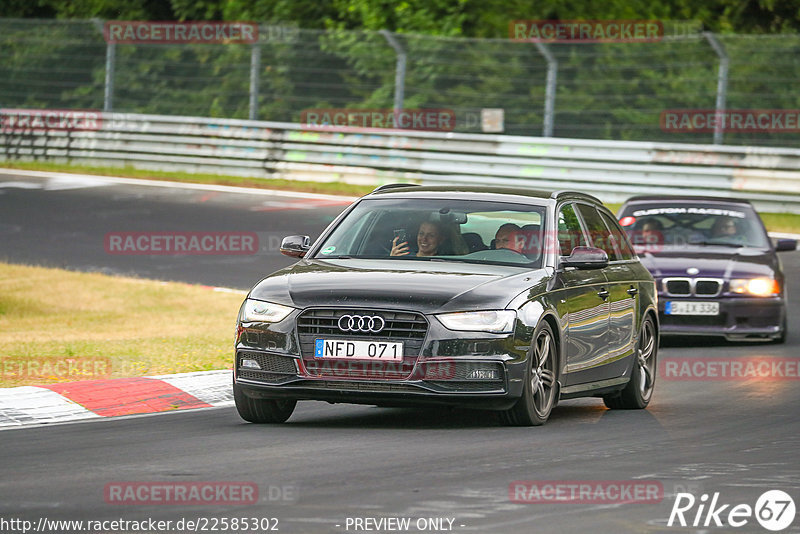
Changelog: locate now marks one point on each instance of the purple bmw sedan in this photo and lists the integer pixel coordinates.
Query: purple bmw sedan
(716, 270)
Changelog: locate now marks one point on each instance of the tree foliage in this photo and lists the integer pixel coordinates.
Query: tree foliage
(459, 57)
(468, 18)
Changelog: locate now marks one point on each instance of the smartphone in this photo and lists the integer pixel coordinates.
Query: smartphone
(401, 236)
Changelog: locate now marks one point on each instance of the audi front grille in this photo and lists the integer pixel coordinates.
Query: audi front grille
(324, 323)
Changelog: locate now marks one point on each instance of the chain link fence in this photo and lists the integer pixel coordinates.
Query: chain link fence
(597, 91)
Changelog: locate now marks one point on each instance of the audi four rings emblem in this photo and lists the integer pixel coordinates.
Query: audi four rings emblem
(361, 323)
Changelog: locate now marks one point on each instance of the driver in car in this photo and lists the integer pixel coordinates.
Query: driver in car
(727, 229)
(509, 236)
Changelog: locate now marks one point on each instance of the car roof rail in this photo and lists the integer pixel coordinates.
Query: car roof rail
(574, 194)
(384, 187)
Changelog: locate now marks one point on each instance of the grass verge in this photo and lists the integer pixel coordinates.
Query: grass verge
(775, 222)
(64, 326)
(331, 188)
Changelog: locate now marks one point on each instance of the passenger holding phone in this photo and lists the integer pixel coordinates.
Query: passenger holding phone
(429, 238)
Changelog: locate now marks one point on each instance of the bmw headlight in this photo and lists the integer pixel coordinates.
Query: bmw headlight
(495, 321)
(759, 287)
(264, 312)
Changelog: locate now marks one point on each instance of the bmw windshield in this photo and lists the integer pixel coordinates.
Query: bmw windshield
(441, 230)
(682, 224)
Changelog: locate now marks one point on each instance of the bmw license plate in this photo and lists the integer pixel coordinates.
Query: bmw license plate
(358, 350)
(691, 308)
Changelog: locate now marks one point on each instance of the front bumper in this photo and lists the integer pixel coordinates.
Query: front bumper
(739, 317)
(395, 393)
(452, 368)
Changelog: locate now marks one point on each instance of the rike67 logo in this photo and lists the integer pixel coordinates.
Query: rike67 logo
(774, 510)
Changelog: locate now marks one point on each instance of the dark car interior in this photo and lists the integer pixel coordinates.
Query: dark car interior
(376, 232)
(682, 229)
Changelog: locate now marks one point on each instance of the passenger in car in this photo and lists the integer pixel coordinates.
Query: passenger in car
(430, 237)
(434, 238)
(652, 232)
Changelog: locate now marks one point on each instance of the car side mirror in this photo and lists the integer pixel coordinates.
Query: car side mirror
(586, 258)
(295, 246)
(783, 245)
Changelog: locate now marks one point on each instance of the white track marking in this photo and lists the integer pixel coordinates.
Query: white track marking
(27, 405)
(60, 183)
(112, 180)
(20, 185)
(212, 387)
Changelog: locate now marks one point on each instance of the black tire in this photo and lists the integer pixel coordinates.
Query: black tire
(639, 390)
(540, 391)
(262, 410)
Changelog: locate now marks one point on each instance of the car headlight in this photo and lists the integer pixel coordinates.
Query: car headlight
(760, 287)
(495, 321)
(264, 312)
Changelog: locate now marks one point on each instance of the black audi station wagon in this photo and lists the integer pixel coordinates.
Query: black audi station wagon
(495, 298)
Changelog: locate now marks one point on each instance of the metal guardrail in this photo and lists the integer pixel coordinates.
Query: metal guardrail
(612, 170)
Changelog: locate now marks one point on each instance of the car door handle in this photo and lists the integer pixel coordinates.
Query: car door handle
(632, 291)
(603, 294)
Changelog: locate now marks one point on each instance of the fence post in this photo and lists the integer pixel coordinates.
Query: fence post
(111, 56)
(400, 70)
(255, 66)
(722, 84)
(108, 94)
(550, 90)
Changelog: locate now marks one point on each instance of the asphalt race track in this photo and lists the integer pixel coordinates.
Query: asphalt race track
(329, 463)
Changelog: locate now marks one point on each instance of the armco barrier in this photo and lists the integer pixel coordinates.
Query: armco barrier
(612, 170)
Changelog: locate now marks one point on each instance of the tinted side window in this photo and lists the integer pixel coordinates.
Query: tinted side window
(620, 240)
(598, 232)
(570, 234)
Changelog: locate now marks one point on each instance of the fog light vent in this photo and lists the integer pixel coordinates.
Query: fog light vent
(250, 364)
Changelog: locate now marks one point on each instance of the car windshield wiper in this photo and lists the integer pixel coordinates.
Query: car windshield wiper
(714, 243)
(483, 262)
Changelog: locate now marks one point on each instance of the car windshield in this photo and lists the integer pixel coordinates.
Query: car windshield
(439, 230)
(692, 224)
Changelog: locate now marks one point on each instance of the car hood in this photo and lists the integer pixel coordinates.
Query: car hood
(711, 261)
(426, 286)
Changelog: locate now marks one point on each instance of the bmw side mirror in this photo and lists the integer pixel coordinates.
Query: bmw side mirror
(783, 245)
(295, 246)
(585, 258)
